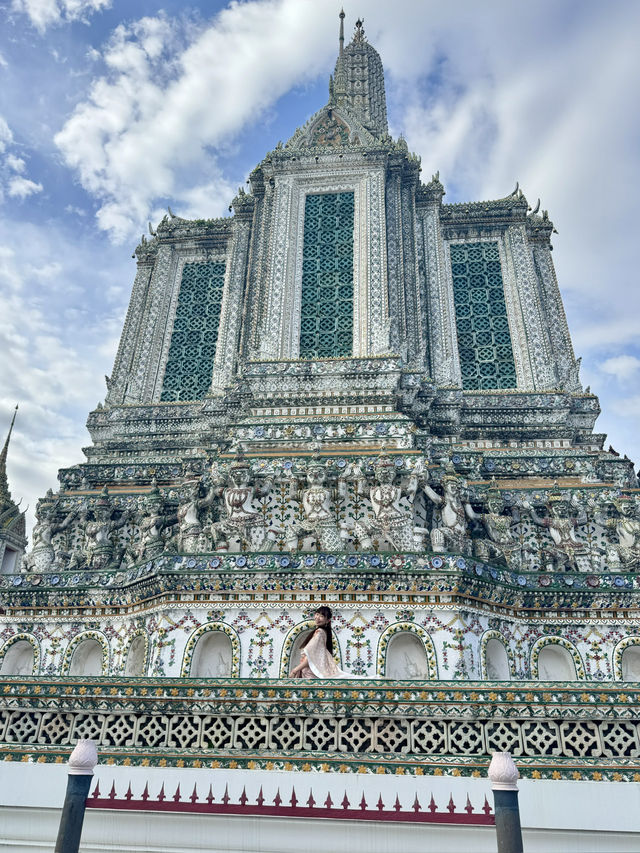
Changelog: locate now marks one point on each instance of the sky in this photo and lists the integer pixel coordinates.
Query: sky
(110, 110)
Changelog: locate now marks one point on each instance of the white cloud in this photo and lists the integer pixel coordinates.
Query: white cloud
(77, 211)
(171, 92)
(3, 62)
(22, 188)
(53, 359)
(47, 13)
(14, 163)
(6, 137)
(16, 185)
(624, 367)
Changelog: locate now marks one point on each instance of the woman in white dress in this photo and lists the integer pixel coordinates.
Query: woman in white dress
(316, 656)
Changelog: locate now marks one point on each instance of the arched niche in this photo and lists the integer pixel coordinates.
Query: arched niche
(496, 661)
(212, 656)
(296, 648)
(87, 658)
(406, 658)
(19, 659)
(292, 647)
(136, 657)
(555, 663)
(630, 663)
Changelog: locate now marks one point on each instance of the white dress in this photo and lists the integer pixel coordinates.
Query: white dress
(319, 662)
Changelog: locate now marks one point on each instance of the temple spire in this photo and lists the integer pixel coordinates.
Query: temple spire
(5, 494)
(358, 80)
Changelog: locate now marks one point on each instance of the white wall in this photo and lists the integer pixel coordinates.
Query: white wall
(576, 817)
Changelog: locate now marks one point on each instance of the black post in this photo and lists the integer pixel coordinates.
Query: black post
(81, 763)
(503, 774)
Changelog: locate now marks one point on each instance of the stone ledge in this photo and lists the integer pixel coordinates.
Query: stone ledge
(367, 726)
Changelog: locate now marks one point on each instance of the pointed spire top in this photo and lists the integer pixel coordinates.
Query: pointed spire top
(358, 80)
(5, 494)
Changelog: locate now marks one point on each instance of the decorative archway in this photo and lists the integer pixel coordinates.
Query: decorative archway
(398, 628)
(291, 647)
(15, 656)
(135, 655)
(624, 650)
(560, 642)
(485, 660)
(220, 628)
(88, 637)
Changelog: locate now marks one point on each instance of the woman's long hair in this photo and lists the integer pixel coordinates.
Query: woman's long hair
(326, 612)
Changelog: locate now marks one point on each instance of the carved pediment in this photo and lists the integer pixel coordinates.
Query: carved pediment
(331, 128)
(329, 131)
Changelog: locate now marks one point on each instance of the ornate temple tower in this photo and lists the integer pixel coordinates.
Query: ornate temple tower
(13, 541)
(346, 392)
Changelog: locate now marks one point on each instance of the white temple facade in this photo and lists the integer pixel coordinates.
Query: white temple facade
(349, 393)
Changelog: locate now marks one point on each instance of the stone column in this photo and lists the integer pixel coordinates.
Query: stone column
(535, 343)
(441, 315)
(124, 366)
(231, 311)
(504, 775)
(82, 761)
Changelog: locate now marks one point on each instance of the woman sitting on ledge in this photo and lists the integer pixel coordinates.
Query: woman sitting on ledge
(317, 651)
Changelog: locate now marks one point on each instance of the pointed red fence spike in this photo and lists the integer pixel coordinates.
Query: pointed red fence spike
(176, 796)
(416, 805)
(243, 797)
(145, 793)
(194, 795)
(129, 794)
(486, 808)
(210, 797)
(363, 802)
(260, 799)
(226, 797)
(162, 796)
(468, 808)
(345, 801)
(328, 802)
(112, 792)
(294, 799)
(451, 807)
(380, 803)
(311, 802)
(96, 791)
(432, 805)
(397, 805)
(278, 798)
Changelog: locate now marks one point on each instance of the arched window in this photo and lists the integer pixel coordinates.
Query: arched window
(88, 658)
(294, 657)
(631, 663)
(555, 663)
(212, 656)
(406, 657)
(135, 663)
(497, 661)
(19, 659)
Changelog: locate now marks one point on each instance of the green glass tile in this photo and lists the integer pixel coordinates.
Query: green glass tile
(326, 328)
(195, 332)
(484, 340)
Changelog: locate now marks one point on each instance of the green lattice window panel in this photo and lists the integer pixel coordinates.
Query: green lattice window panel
(484, 340)
(326, 323)
(195, 332)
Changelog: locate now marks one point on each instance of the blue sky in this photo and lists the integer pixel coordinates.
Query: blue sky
(112, 109)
